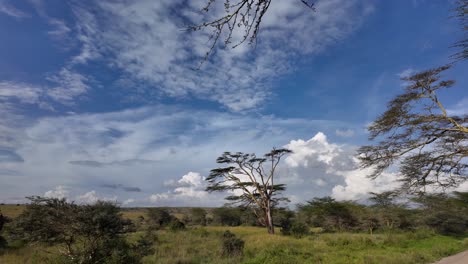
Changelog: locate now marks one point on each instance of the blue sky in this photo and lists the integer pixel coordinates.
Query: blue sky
(100, 99)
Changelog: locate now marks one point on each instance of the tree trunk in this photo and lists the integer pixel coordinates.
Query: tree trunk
(269, 219)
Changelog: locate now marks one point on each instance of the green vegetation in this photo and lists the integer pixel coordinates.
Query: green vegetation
(204, 245)
(322, 230)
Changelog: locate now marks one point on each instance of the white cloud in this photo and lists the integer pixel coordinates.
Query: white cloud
(60, 28)
(7, 9)
(460, 108)
(357, 185)
(331, 169)
(190, 190)
(406, 73)
(156, 144)
(344, 132)
(59, 192)
(128, 201)
(92, 197)
(25, 93)
(147, 42)
(70, 84)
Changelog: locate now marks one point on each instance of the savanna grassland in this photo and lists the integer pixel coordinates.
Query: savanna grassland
(202, 244)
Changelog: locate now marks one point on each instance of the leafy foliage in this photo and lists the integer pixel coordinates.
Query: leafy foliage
(232, 246)
(198, 216)
(417, 130)
(86, 233)
(159, 218)
(254, 177)
(444, 213)
(329, 214)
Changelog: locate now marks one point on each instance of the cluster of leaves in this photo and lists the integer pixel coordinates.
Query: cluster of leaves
(84, 233)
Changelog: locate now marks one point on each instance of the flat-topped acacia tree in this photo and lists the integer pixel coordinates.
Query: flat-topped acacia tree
(251, 179)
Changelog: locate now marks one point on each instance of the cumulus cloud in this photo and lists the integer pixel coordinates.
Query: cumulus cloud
(189, 189)
(92, 197)
(180, 140)
(331, 167)
(59, 192)
(147, 42)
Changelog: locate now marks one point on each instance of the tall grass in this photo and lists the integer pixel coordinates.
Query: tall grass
(203, 245)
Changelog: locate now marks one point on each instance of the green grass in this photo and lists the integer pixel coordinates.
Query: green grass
(203, 245)
(11, 210)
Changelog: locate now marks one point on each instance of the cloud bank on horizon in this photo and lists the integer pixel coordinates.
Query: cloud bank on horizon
(100, 100)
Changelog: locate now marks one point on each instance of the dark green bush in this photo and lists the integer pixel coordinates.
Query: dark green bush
(300, 229)
(176, 225)
(232, 246)
(158, 218)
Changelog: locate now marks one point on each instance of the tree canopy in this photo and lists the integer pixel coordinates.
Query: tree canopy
(253, 178)
(417, 130)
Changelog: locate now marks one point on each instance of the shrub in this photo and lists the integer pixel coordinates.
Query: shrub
(198, 216)
(299, 229)
(159, 218)
(176, 225)
(87, 233)
(232, 246)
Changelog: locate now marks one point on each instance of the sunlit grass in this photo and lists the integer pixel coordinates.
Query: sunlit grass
(203, 245)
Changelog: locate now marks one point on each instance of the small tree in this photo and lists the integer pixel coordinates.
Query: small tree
(159, 218)
(329, 214)
(84, 234)
(254, 178)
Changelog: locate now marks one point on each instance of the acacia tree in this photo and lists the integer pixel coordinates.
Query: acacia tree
(461, 12)
(253, 177)
(417, 130)
(245, 15)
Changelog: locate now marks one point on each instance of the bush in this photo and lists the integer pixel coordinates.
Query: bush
(159, 218)
(232, 246)
(227, 216)
(299, 229)
(3, 242)
(198, 216)
(87, 233)
(176, 225)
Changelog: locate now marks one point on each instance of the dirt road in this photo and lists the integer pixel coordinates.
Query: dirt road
(460, 258)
